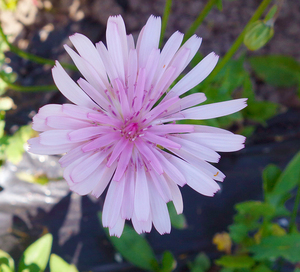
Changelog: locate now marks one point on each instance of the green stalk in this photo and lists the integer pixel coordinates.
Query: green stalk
(32, 57)
(260, 10)
(293, 225)
(165, 20)
(199, 19)
(43, 88)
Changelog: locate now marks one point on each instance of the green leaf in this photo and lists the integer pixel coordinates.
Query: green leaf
(260, 111)
(276, 70)
(262, 268)
(235, 261)
(273, 247)
(255, 209)
(270, 176)
(5, 268)
(200, 264)
(58, 264)
(290, 177)
(134, 248)
(36, 256)
(238, 232)
(178, 221)
(168, 262)
(2, 126)
(6, 261)
(15, 148)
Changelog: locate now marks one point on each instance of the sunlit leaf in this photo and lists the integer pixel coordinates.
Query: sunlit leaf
(6, 262)
(58, 264)
(36, 256)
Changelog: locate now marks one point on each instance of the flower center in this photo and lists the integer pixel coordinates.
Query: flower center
(131, 131)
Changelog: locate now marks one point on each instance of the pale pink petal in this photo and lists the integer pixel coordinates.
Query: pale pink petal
(141, 226)
(117, 44)
(128, 198)
(55, 137)
(125, 156)
(141, 195)
(62, 122)
(149, 39)
(167, 53)
(87, 167)
(86, 70)
(36, 147)
(147, 152)
(169, 168)
(196, 179)
(159, 140)
(88, 133)
(198, 150)
(93, 93)
(85, 186)
(112, 203)
(160, 185)
(76, 111)
(87, 50)
(69, 88)
(185, 102)
(202, 165)
(217, 142)
(117, 229)
(159, 211)
(196, 75)
(71, 156)
(104, 179)
(170, 128)
(176, 196)
(209, 111)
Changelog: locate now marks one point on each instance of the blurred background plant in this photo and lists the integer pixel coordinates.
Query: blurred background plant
(263, 235)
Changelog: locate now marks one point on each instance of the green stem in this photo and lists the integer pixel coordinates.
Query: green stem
(32, 57)
(165, 20)
(260, 10)
(293, 226)
(43, 88)
(199, 19)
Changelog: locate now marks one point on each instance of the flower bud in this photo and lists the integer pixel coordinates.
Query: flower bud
(258, 34)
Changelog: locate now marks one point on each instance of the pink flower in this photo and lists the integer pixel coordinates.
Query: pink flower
(120, 134)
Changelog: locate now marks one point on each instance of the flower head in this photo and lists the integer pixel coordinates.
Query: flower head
(121, 131)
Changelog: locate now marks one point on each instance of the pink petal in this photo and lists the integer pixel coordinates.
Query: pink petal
(87, 50)
(196, 75)
(141, 195)
(104, 179)
(62, 122)
(112, 203)
(149, 39)
(209, 111)
(148, 155)
(55, 137)
(36, 147)
(69, 88)
(117, 229)
(125, 156)
(159, 211)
